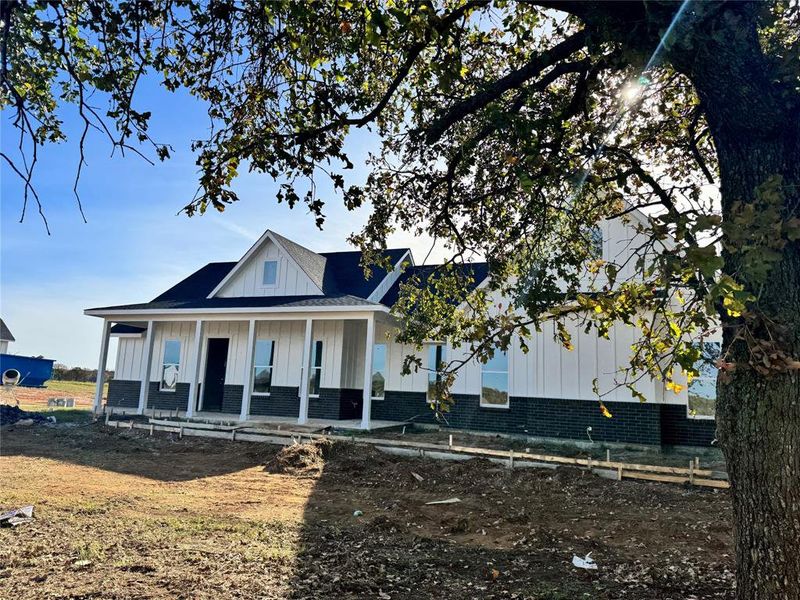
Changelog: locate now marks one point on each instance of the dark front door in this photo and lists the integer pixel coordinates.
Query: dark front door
(214, 382)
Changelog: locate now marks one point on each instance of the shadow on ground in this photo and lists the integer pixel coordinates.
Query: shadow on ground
(162, 518)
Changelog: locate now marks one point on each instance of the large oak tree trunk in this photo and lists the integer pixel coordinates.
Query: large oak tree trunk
(758, 416)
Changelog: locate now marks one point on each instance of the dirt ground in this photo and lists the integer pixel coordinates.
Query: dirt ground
(123, 515)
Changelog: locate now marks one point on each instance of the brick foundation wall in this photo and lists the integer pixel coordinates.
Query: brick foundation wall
(232, 398)
(632, 422)
(281, 402)
(179, 399)
(677, 429)
(334, 403)
(123, 393)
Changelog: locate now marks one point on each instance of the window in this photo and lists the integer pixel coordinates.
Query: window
(170, 365)
(315, 376)
(596, 242)
(703, 389)
(435, 363)
(379, 371)
(494, 381)
(270, 272)
(262, 366)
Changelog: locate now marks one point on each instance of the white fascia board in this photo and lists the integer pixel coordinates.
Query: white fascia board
(394, 274)
(127, 335)
(222, 314)
(250, 253)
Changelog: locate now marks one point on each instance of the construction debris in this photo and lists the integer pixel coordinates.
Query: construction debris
(11, 415)
(417, 476)
(17, 516)
(587, 562)
(303, 460)
(448, 501)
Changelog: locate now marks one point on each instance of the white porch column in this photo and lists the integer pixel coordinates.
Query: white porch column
(366, 409)
(248, 371)
(101, 368)
(302, 418)
(197, 350)
(147, 362)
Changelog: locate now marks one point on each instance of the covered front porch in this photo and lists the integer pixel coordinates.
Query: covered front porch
(264, 367)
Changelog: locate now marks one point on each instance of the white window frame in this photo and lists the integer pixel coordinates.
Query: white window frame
(277, 273)
(592, 241)
(270, 366)
(507, 372)
(385, 370)
(313, 367)
(434, 373)
(161, 387)
(700, 417)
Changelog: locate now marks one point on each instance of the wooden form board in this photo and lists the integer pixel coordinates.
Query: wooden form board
(694, 476)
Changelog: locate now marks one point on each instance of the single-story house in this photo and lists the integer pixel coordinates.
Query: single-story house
(287, 332)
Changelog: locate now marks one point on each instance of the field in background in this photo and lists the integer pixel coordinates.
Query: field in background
(123, 515)
(36, 398)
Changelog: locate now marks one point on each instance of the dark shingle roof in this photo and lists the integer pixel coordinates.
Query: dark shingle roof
(478, 271)
(119, 328)
(344, 275)
(310, 262)
(5, 333)
(199, 284)
(246, 302)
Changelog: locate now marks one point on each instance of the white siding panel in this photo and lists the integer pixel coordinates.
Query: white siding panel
(129, 359)
(292, 281)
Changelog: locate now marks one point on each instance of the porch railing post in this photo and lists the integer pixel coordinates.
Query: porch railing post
(101, 368)
(248, 371)
(366, 407)
(302, 416)
(195, 374)
(147, 363)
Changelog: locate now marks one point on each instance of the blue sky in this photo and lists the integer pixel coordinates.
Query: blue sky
(135, 243)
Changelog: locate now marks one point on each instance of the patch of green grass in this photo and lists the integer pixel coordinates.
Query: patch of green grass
(73, 388)
(89, 552)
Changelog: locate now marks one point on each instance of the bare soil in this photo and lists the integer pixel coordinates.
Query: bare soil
(123, 515)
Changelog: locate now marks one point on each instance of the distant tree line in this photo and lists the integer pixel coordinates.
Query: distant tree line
(62, 372)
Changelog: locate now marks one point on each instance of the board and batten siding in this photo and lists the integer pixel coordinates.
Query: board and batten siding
(292, 281)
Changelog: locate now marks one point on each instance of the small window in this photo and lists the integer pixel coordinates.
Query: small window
(379, 371)
(170, 366)
(270, 272)
(435, 366)
(703, 389)
(596, 243)
(315, 377)
(494, 381)
(262, 366)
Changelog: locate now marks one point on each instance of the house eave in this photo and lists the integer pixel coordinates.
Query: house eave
(111, 313)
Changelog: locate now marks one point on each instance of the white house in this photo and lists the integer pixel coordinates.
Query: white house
(286, 332)
(6, 337)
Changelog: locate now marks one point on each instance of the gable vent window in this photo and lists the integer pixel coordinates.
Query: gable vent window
(596, 243)
(170, 366)
(262, 366)
(315, 376)
(270, 272)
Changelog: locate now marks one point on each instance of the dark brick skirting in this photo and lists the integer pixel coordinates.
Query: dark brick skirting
(281, 402)
(177, 400)
(123, 393)
(677, 429)
(232, 398)
(632, 422)
(334, 403)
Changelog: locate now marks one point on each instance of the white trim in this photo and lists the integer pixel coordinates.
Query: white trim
(101, 369)
(393, 275)
(147, 365)
(267, 235)
(127, 335)
(366, 404)
(197, 353)
(247, 388)
(302, 417)
(245, 311)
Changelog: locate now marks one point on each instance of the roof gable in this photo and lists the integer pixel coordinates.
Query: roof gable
(300, 271)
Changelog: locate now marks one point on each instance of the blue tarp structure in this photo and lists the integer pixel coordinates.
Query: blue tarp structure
(33, 371)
